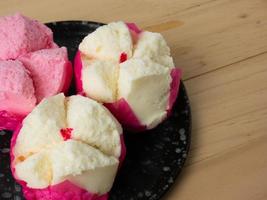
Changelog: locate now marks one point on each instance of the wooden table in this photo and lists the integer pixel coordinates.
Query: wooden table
(221, 45)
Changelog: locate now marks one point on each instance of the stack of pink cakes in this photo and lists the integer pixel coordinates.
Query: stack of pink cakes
(32, 67)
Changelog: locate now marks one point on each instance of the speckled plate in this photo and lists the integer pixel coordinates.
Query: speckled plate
(154, 158)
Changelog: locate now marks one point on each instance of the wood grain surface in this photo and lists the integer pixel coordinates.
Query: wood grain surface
(221, 45)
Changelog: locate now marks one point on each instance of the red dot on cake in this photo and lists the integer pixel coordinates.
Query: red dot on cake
(123, 57)
(66, 133)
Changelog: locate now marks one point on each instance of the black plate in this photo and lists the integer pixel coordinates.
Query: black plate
(154, 158)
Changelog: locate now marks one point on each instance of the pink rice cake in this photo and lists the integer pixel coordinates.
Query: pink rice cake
(47, 70)
(20, 35)
(16, 93)
(145, 77)
(50, 69)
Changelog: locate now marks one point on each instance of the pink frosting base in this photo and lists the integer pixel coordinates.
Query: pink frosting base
(174, 88)
(62, 191)
(67, 77)
(135, 31)
(121, 109)
(123, 151)
(78, 73)
(9, 121)
(134, 27)
(125, 115)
